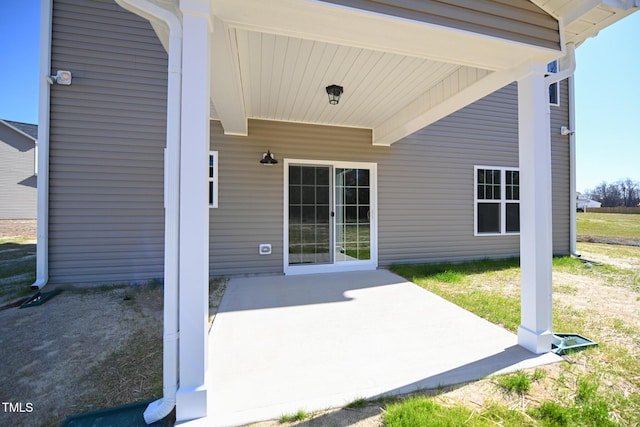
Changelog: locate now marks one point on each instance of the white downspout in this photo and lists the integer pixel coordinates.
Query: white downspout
(44, 105)
(572, 169)
(148, 10)
(567, 73)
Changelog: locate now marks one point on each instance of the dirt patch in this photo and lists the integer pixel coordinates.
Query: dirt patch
(626, 241)
(83, 350)
(18, 228)
(624, 262)
(588, 293)
(49, 350)
(367, 416)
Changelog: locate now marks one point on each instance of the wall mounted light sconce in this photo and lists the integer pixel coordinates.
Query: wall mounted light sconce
(564, 131)
(334, 92)
(268, 159)
(61, 77)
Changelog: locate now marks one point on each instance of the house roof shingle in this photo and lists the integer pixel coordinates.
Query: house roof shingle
(27, 128)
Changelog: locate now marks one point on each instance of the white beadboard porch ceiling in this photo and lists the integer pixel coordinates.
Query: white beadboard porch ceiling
(284, 78)
(272, 60)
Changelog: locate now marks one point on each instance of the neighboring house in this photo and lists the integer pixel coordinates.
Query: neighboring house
(439, 149)
(18, 169)
(582, 204)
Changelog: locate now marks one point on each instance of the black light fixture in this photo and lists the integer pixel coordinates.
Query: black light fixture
(334, 92)
(268, 159)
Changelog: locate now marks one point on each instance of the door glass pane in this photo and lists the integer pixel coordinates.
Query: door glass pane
(353, 215)
(309, 209)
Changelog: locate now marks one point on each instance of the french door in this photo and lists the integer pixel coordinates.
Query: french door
(329, 217)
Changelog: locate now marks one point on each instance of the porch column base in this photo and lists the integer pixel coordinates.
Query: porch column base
(191, 403)
(535, 342)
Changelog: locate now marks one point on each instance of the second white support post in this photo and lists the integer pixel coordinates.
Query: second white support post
(191, 398)
(536, 244)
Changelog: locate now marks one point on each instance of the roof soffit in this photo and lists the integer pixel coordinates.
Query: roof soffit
(582, 19)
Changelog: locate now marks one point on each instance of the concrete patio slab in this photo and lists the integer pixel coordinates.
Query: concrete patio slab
(284, 343)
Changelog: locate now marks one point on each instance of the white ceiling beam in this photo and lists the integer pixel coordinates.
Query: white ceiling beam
(226, 87)
(450, 95)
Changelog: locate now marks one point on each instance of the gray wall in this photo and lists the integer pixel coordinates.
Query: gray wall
(561, 162)
(425, 185)
(17, 178)
(517, 20)
(107, 136)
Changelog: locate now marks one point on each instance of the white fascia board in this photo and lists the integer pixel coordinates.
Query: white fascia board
(433, 105)
(358, 28)
(226, 87)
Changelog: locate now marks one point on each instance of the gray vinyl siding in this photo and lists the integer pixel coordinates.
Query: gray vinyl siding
(17, 178)
(107, 133)
(250, 195)
(560, 158)
(106, 166)
(426, 191)
(425, 186)
(517, 20)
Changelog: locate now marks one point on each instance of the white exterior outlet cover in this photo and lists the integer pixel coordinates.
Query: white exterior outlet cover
(265, 249)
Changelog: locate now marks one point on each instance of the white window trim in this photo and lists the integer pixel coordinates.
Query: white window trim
(503, 201)
(555, 86)
(214, 178)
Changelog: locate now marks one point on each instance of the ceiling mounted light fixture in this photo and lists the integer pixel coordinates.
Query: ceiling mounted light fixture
(268, 159)
(334, 92)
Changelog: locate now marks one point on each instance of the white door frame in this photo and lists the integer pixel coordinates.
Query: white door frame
(370, 264)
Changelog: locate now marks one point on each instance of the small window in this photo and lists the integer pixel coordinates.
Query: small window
(497, 200)
(213, 179)
(554, 89)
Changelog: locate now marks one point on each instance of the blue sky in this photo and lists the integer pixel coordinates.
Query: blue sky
(606, 81)
(608, 105)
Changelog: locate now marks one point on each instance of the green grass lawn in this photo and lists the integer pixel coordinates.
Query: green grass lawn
(608, 224)
(597, 387)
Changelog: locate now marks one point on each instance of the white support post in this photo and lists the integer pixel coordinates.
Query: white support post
(536, 248)
(191, 398)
